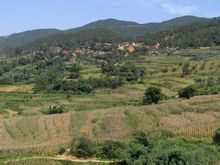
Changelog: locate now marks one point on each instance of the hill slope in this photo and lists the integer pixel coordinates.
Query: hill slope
(21, 39)
(124, 27)
(196, 34)
(135, 29)
(75, 38)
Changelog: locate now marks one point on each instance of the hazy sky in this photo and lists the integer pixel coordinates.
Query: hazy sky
(21, 15)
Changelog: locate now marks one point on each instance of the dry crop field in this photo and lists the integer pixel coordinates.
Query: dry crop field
(111, 113)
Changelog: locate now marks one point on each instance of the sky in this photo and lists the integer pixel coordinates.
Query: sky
(21, 15)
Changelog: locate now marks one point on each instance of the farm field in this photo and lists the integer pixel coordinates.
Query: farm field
(112, 114)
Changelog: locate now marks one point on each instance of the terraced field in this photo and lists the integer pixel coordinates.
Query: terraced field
(45, 133)
(111, 113)
(34, 132)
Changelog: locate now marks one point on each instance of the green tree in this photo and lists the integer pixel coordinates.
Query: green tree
(152, 95)
(74, 71)
(6, 80)
(187, 92)
(186, 69)
(138, 152)
(48, 81)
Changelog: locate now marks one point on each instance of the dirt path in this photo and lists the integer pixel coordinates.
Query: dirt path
(64, 158)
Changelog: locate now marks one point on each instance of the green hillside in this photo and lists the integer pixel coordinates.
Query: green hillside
(21, 39)
(127, 28)
(76, 38)
(135, 29)
(196, 34)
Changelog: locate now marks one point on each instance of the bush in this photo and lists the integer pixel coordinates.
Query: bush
(110, 149)
(82, 148)
(62, 150)
(85, 87)
(186, 70)
(152, 95)
(175, 157)
(208, 90)
(138, 151)
(48, 81)
(6, 80)
(54, 110)
(74, 71)
(187, 92)
(141, 138)
(216, 137)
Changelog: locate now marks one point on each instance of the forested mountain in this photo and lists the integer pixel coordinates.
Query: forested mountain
(132, 29)
(196, 34)
(135, 29)
(76, 38)
(21, 39)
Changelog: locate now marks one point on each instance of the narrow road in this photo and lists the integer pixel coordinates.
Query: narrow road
(63, 157)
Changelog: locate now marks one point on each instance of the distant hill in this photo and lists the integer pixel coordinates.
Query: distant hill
(112, 30)
(118, 29)
(135, 29)
(21, 39)
(196, 34)
(75, 38)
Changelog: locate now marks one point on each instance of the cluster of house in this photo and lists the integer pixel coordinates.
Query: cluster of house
(131, 47)
(100, 49)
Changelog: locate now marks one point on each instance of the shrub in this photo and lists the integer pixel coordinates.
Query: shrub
(141, 138)
(82, 148)
(6, 80)
(54, 110)
(138, 151)
(174, 69)
(85, 88)
(175, 157)
(186, 70)
(152, 95)
(208, 90)
(165, 70)
(74, 71)
(110, 149)
(62, 150)
(48, 81)
(187, 92)
(216, 137)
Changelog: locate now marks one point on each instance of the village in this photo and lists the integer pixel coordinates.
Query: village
(102, 49)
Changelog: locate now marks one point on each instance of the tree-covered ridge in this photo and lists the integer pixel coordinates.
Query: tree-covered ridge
(193, 35)
(185, 31)
(21, 39)
(136, 29)
(127, 28)
(74, 39)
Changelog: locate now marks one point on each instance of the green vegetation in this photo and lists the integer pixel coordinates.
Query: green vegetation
(83, 148)
(152, 95)
(196, 34)
(85, 92)
(11, 42)
(187, 92)
(54, 110)
(216, 137)
(142, 149)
